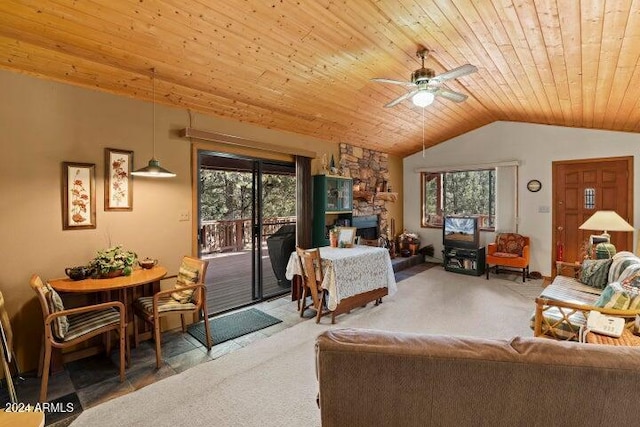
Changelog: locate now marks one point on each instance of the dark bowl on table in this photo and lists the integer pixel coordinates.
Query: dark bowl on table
(147, 263)
(77, 273)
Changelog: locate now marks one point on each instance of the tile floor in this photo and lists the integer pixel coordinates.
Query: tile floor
(91, 381)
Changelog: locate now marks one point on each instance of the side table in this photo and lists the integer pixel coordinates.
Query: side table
(626, 339)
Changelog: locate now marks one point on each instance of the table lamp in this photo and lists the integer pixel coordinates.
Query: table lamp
(606, 221)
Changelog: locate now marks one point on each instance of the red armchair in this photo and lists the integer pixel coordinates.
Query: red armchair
(510, 250)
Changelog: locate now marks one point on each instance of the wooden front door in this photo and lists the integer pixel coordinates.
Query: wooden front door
(582, 187)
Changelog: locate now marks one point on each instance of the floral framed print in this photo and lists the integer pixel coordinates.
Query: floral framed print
(78, 196)
(118, 182)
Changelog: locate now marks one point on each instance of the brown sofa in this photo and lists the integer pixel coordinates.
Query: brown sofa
(376, 378)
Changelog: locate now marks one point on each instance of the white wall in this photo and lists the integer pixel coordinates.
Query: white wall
(535, 147)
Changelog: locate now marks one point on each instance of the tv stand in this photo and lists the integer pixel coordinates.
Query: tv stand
(464, 260)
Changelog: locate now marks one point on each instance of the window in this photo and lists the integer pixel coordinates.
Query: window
(469, 192)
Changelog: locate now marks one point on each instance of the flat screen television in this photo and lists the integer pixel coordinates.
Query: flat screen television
(461, 232)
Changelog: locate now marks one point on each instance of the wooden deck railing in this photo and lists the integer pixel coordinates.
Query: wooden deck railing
(235, 235)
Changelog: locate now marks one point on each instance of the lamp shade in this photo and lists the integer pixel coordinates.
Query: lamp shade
(606, 221)
(423, 98)
(153, 170)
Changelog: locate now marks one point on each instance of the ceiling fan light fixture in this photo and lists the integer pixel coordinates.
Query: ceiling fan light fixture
(423, 98)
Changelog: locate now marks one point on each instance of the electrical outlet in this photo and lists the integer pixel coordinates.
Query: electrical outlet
(184, 216)
(544, 209)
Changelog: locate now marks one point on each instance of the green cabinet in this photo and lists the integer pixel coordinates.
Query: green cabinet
(332, 204)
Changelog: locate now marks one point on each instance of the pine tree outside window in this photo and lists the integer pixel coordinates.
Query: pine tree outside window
(470, 192)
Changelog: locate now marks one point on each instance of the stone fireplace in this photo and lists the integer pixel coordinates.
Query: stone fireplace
(372, 189)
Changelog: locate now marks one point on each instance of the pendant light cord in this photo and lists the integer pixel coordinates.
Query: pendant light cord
(423, 155)
(153, 91)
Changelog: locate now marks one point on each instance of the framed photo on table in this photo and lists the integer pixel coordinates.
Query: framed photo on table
(78, 196)
(346, 236)
(118, 182)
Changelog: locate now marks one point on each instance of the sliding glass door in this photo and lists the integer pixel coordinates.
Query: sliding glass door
(246, 219)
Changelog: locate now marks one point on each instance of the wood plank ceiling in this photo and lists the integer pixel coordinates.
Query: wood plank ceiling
(305, 66)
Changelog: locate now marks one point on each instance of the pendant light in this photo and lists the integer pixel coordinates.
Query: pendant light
(153, 169)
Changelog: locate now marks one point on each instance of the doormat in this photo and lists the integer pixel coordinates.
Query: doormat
(232, 326)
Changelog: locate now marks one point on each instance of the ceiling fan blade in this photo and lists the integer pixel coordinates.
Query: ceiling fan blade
(455, 73)
(402, 98)
(451, 95)
(395, 82)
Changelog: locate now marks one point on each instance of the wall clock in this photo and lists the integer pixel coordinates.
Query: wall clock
(534, 185)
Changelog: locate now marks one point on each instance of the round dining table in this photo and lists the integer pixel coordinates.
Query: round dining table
(137, 278)
(123, 285)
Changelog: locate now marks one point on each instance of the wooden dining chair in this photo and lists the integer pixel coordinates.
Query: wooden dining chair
(7, 355)
(188, 296)
(67, 327)
(312, 277)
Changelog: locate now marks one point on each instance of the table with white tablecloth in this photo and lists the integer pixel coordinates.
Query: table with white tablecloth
(349, 272)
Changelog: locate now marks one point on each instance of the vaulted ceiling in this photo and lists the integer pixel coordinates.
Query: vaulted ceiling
(305, 66)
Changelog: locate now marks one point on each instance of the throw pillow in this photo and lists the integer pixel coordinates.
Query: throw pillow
(60, 324)
(186, 276)
(595, 272)
(510, 243)
(618, 297)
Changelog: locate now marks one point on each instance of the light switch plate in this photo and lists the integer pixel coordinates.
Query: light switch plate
(184, 216)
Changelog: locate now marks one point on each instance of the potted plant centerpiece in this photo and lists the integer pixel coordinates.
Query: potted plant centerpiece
(113, 262)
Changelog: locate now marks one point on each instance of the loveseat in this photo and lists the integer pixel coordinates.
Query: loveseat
(376, 378)
(610, 286)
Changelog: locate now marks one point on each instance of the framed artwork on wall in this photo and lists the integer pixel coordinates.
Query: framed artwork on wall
(78, 196)
(118, 181)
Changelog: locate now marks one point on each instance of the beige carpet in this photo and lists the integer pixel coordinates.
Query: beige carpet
(272, 381)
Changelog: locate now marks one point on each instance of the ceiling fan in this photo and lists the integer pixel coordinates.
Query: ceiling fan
(425, 85)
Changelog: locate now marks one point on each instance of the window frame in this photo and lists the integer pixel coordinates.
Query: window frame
(440, 208)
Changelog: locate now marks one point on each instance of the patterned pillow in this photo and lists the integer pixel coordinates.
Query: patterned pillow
(510, 243)
(595, 272)
(620, 297)
(186, 276)
(60, 324)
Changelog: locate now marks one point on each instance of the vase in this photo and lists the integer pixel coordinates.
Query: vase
(333, 240)
(413, 248)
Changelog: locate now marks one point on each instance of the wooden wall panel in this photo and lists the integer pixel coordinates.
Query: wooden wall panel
(306, 67)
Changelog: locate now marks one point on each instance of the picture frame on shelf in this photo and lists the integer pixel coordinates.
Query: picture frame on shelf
(78, 196)
(118, 181)
(346, 236)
